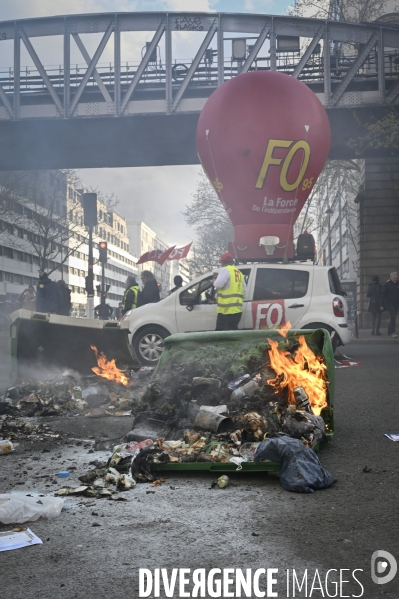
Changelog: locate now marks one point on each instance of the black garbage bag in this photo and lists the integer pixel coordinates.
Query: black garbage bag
(300, 468)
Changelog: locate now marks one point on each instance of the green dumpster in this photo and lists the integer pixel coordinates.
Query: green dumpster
(181, 349)
(49, 341)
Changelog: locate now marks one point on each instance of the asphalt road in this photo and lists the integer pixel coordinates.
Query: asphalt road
(253, 523)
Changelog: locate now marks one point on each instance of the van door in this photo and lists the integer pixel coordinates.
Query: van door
(196, 307)
(280, 295)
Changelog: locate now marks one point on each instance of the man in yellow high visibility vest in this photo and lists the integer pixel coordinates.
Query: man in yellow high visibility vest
(231, 289)
(129, 301)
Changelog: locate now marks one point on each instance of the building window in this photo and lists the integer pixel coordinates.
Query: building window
(8, 277)
(8, 252)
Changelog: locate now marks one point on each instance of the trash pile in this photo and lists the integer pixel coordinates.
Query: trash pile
(202, 408)
(13, 428)
(204, 401)
(101, 483)
(72, 395)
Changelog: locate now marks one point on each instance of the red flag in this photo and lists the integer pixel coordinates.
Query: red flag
(158, 256)
(166, 255)
(179, 253)
(151, 256)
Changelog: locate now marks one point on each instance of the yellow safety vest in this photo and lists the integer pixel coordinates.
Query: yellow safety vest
(135, 290)
(231, 298)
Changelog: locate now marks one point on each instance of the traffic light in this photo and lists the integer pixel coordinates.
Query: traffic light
(89, 201)
(102, 246)
(89, 284)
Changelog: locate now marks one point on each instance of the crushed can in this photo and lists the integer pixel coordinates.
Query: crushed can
(302, 399)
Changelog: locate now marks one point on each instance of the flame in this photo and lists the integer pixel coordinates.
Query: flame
(108, 369)
(284, 331)
(303, 369)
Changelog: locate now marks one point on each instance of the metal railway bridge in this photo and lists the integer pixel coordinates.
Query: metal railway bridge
(144, 112)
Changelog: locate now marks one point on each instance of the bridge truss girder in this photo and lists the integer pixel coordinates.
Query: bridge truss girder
(338, 81)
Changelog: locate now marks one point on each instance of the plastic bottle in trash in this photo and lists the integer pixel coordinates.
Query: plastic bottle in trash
(77, 393)
(246, 390)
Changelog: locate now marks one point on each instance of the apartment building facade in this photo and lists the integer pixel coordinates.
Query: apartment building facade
(45, 229)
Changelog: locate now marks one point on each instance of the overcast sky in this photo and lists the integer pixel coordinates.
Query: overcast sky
(156, 195)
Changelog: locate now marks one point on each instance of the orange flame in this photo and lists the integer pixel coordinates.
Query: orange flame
(303, 369)
(283, 331)
(108, 369)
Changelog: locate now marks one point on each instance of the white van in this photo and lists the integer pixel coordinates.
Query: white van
(303, 294)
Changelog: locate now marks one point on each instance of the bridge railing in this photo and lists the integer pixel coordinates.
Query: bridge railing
(30, 80)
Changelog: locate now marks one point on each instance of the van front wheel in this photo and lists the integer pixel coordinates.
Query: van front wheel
(149, 345)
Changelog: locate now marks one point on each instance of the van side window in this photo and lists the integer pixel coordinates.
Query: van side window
(279, 283)
(189, 295)
(200, 293)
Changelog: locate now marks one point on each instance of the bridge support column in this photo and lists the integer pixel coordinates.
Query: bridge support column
(378, 228)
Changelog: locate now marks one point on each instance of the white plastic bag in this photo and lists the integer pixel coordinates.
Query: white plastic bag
(19, 508)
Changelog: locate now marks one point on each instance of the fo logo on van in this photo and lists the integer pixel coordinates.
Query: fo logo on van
(268, 314)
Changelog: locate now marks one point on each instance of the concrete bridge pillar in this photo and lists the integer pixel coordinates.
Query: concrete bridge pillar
(378, 228)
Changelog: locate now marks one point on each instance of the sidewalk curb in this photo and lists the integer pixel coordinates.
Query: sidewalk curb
(373, 341)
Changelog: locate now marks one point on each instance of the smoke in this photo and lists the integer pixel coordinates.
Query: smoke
(38, 372)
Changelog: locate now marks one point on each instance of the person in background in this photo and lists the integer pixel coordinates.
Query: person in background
(48, 296)
(130, 297)
(65, 303)
(178, 281)
(118, 311)
(374, 293)
(150, 292)
(389, 300)
(231, 289)
(28, 299)
(103, 311)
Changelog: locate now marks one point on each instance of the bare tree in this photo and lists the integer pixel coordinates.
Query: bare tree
(52, 216)
(355, 11)
(11, 205)
(341, 177)
(212, 225)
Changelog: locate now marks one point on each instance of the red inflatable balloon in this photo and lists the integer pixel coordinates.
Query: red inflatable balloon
(263, 138)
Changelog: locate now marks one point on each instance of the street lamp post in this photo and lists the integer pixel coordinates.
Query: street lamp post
(329, 212)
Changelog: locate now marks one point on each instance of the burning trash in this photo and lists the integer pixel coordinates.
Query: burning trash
(272, 386)
(302, 369)
(108, 369)
(215, 398)
(218, 401)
